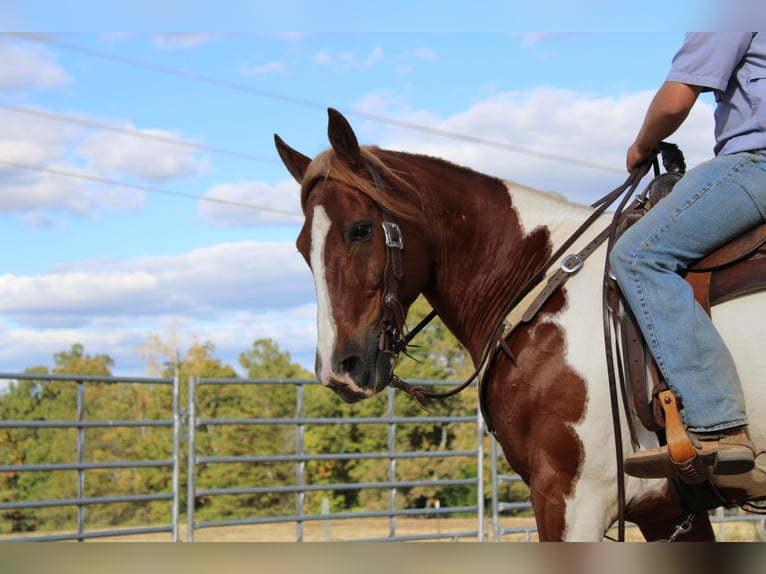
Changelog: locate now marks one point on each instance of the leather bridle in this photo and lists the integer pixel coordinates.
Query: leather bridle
(393, 339)
(394, 335)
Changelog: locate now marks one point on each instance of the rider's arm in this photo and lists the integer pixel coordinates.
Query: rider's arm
(668, 110)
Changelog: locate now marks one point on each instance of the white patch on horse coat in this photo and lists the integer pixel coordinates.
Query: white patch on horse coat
(741, 326)
(545, 209)
(326, 329)
(592, 506)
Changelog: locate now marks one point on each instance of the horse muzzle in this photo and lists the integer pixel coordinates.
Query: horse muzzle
(356, 377)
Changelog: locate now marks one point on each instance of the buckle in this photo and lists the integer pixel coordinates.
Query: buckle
(572, 263)
(393, 235)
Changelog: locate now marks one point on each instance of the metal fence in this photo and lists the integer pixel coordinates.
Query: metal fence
(301, 456)
(173, 423)
(183, 424)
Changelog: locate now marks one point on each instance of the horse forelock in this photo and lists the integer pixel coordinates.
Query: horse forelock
(327, 166)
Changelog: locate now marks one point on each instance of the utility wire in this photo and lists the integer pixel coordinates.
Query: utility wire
(49, 40)
(149, 188)
(133, 132)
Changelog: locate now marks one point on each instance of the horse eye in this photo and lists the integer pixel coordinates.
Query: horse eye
(360, 231)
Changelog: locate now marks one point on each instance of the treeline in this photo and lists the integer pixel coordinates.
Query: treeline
(439, 357)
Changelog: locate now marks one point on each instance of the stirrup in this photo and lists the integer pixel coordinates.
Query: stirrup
(686, 463)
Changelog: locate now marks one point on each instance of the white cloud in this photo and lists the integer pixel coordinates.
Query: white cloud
(34, 194)
(200, 284)
(230, 294)
(121, 338)
(270, 204)
(112, 154)
(346, 61)
(31, 139)
(323, 58)
(25, 66)
(266, 69)
(425, 54)
(234, 293)
(46, 146)
(530, 39)
(183, 40)
(543, 121)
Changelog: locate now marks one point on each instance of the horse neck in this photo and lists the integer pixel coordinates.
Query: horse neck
(494, 239)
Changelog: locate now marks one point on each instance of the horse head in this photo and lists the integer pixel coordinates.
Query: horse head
(355, 250)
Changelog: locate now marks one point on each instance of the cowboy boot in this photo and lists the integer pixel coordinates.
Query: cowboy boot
(728, 451)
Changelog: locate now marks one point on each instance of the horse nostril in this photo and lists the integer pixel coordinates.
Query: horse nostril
(348, 365)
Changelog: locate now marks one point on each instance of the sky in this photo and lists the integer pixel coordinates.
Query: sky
(141, 193)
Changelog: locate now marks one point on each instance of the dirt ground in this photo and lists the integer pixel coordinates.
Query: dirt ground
(431, 529)
(449, 530)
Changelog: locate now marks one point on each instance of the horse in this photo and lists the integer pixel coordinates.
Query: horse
(383, 227)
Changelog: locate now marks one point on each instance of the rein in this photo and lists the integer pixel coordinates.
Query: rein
(393, 323)
(496, 341)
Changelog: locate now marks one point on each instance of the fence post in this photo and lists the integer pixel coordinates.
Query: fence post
(80, 385)
(495, 496)
(480, 473)
(175, 509)
(391, 462)
(191, 456)
(301, 464)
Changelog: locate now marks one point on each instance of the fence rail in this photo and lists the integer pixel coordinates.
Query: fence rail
(184, 424)
(81, 467)
(301, 457)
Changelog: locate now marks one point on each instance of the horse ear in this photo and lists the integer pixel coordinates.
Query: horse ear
(295, 162)
(343, 139)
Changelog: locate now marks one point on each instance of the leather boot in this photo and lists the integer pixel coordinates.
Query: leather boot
(729, 451)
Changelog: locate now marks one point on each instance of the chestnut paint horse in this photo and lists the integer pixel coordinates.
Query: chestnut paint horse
(468, 242)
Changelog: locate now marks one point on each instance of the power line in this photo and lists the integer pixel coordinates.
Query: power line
(149, 188)
(133, 133)
(169, 70)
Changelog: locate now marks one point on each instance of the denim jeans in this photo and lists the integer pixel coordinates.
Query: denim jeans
(711, 204)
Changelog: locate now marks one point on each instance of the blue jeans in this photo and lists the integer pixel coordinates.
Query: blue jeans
(711, 204)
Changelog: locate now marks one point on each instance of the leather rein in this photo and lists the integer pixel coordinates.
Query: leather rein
(394, 335)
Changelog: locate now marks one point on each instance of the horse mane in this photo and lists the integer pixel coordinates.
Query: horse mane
(326, 166)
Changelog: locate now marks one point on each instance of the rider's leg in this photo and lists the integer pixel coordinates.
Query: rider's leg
(710, 205)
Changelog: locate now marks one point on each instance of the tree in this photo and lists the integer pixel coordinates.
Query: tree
(264, 400)
(48, 400)
(436, 355)
(266, 360)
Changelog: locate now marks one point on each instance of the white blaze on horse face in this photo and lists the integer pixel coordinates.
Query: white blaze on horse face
(326, 329)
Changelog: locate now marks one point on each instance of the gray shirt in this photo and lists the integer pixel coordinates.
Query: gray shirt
(733, 66)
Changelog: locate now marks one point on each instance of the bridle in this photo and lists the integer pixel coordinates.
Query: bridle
(394, 336)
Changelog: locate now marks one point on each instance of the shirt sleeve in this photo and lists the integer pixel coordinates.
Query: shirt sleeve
(708, 59)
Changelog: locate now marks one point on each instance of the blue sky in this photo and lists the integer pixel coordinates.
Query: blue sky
(181, 119)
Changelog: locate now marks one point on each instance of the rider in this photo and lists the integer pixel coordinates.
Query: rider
(711, 204)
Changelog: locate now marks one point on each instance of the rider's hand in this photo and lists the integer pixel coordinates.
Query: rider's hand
(636, 156)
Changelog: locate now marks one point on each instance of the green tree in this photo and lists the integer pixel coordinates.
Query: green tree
(265, 360)
(262, 400)
(45, 400)
(435, 355)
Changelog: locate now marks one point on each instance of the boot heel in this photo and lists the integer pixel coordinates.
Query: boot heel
(733, 462)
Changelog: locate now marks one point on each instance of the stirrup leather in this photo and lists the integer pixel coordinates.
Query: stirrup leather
(686, 463)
